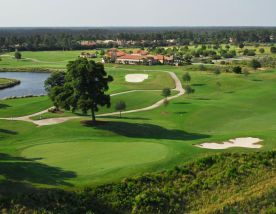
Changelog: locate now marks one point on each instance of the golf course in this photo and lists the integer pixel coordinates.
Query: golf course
(209, 111)
(76, 154)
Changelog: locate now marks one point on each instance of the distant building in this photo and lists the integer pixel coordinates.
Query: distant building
(88, 55)
(131, 59)
(231, 40)
(164, 59)
(137, 57)
(88, 43)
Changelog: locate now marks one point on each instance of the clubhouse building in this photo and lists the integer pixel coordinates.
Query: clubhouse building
(138, 57)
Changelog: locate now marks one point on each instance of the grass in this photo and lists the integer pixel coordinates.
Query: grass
(51, 60)
(24, 106)
(6, 83)
(95, 159)
(134, 100)
(156, 80)
(40, 59)
(239, 106)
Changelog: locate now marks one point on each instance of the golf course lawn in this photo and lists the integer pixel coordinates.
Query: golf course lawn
(41, 59)
(94, 159)
(6, 83)
(74, 153)
(156, 80)
(23, 106)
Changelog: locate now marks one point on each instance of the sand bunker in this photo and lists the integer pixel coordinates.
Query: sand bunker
(247, 142)
(136, 77)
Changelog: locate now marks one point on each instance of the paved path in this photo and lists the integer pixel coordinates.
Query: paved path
(52, 121)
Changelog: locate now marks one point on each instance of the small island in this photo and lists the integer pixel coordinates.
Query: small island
(7, 83)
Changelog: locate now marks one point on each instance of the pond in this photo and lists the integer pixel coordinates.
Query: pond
(31, 84)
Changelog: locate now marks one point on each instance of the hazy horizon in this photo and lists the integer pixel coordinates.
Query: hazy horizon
(123, 13)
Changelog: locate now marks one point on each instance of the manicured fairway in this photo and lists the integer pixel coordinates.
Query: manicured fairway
(24, 106)
(133, 100)
(41, 59)
(90, 159)
(156, 80)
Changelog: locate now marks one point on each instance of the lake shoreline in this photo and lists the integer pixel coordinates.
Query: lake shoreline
(31, 84)
(31, 70)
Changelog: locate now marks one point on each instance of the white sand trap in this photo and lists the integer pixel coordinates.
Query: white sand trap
(136, 77)
(247, 142)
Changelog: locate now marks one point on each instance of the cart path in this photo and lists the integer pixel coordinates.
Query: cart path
(52, 121)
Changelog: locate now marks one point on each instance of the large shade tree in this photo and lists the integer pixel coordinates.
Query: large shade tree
(84, 88)
(54, 85)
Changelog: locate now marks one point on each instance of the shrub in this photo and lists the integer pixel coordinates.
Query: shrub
(255, 64)
(237, 69)
(262, 50)
(189, 89)
(273, 50)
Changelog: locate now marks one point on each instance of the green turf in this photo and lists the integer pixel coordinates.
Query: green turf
(133, 100)
(223, 107)
(95, 159)
(5, 83)
(24, 106)
(156, 80)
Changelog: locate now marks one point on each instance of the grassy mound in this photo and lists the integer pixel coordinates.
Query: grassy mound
(7, 83)
(225, 183)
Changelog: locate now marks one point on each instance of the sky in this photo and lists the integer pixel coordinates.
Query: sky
(96, 13)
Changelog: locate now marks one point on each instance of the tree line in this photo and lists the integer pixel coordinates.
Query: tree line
(36, 39)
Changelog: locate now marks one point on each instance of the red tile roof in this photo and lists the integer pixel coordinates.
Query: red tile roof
(159, 57)
(117, 52)
(131, 57)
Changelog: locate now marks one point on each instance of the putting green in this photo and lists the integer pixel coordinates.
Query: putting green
(90, 159)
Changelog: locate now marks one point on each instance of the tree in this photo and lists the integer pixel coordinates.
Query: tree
(84, 88)
(186, 77)
(255, 64)
(17, 55)
(237, 69)
(262, 50)
(54, 86)
(188, 89)
(120, 106)
(102, 52)
(273, 50)
(166, 92)
(241, 46)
